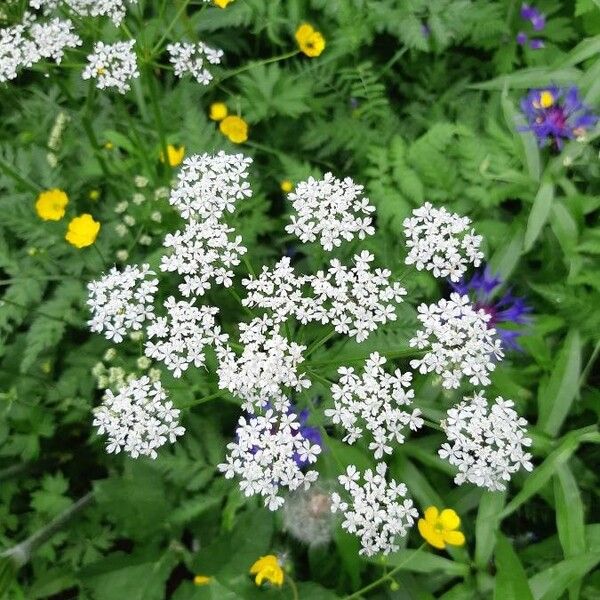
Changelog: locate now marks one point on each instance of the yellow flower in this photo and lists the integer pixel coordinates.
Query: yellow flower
(94, 195)
(202, 580)
(222, 3)
(267, 568)
(82, 231)
(50, 205)
(108, 146)
(175, 155)
(218, 111)
(440, 528)
(235, 128)
(286, 186)
(310, 41)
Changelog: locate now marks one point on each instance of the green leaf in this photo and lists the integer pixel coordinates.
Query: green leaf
(486, 526)
(551, 583)
(530, 78)
(539, 214)
(541, 475)
(555, 398)
(587, 48)
(511, 581)
(423, 561)
(570, 521)
(507, 256)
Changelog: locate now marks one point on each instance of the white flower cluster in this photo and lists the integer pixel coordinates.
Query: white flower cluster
(440, 241)
(182, 335)
(373, 402)
(121, 301)
(458, 340)
(23, 45)
(112, 65)
(139, 419)
(486, 445)
(331, 210)
(192, 58)
(354, 300)
(267, 455)
(375, 514)
(114, 9)
(266, 370)
(207, 187)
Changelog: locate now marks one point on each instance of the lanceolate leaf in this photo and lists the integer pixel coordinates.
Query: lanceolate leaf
(539, 214)
(511, 581)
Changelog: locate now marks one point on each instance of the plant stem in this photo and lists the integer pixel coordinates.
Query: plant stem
(180, 11)
(257, 63)
(294, 588)
(159, 119)
(386, 577)
(30, 185)
(318, 344)
(589, 364)
(21, 553)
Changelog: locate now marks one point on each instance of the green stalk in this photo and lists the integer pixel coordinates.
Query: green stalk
(167, 31)
(257, 63)
(158, 118)
(386, 577)
(21, 554)
(30, 185)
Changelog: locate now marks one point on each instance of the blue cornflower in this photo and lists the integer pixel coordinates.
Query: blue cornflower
(555, 114)
(312, 434)
(504, 309)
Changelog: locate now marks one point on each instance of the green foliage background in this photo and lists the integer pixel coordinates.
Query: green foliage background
(413, 117)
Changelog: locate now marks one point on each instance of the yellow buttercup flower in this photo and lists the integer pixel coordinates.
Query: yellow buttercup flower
(175, 155)
(82, 231)
(222, 3)
(267, 568)
(50, 205)
(440, 528)
(286, 186)
(218, 111)
(310, 41)
(202, 580)
(235, 128)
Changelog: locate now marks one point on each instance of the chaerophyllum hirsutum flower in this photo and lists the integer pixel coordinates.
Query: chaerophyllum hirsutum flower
(264, 362)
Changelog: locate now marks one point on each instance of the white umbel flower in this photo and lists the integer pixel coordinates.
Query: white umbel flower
(441, 242)
(122, 301)
(179, 338)
(267, 370)
(374, 401)
(487, 445)
(52, 38)
(377, 512)
(112, 65)
(194, 59)
(114, 9)
(265, 456)
(138, 419)
(330, 210)
(458, 341)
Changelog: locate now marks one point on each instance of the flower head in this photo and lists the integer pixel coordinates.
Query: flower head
(234, 128)
(50, 205)
(82, 231)
(504, 309)
(174, 155)
(112, 65)
(222, 3)
(534, 16)
(267, 568)
(218, 111)
(310, 41)
(556, 114)
(286, 186)
(194, 59)
(441, 528)
(485, 444)
(202, 580)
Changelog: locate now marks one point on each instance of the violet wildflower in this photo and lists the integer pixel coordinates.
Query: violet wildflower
(534, 16)
(555, 114)
(504, 309)
(521, 38)
(536, 44)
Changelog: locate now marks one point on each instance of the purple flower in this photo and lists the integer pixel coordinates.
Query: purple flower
(312, 434)
(555, 114)
(521, 38)
(536, 44)
(534, 16)
(504, 309)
